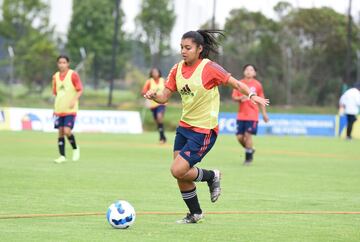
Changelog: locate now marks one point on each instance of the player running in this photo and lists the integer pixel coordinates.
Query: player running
(67, 88)
(157, 84)
(248, 114)
(197, 78)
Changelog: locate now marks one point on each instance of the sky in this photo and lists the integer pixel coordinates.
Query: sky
(192, 13)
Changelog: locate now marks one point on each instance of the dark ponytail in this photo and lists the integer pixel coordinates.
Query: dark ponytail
(207, 39)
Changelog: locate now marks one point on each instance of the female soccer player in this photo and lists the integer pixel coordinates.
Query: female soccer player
(67, 88)
(156, 83)
(196, 79)
(248, 114)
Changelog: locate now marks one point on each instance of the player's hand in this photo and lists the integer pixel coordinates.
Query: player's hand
(266, 118)
(341, 111)
(260, 100)
(150, 95)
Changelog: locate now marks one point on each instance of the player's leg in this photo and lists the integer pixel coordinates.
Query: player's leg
(240, 130)
(61, 141)
(69, 125)
(251, 129)
(160, 122)
(179, 169)
(185, 176)
(59, 124)
(154, 112)
(241, 139)
(248, 148)
(240, 133)
(350, 122)
(194, 147)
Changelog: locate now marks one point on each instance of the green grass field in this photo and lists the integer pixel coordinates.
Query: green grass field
(289, 174)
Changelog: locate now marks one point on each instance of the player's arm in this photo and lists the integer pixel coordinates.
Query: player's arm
(75, 78)
(261, 107)
(146, 87)
(54, 85)
(161, 97)
(342, 105)
(264, 113)
(238, 98)
(244, 89)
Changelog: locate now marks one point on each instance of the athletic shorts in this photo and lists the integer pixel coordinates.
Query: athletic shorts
(65, 121)
(243, 126)
(350, 118)
(158, 109)
(193, 146)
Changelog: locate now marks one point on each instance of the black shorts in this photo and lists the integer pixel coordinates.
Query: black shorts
(158, 109)
(65, 121)
(243, 126)
(193, 146)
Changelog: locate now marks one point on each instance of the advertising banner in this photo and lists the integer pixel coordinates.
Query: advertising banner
(86, 120)
(285, 124)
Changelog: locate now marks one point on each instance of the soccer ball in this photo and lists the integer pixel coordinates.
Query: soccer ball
(121, 215)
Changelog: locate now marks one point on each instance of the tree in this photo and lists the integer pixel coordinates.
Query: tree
(282, 9)
(253, 38)
(25, 26)
(114, 51)
(156, 20)
(300, 56)
(92, 27)
(320, 51)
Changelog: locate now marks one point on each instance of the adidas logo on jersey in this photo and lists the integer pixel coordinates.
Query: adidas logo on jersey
(186, 91)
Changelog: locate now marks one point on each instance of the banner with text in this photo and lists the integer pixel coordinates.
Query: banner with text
(86, 120)
(285, 124)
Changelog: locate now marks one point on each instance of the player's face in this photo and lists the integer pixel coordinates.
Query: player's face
(190, 52)
(249, 72)
(155, 73)
(62, 64)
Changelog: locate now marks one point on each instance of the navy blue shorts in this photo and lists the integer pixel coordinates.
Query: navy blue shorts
(243, 126)
(158, 109)
(193, 146)
(65, 121)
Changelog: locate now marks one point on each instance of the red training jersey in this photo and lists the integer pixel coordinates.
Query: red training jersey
(213, 75)
(249, 111)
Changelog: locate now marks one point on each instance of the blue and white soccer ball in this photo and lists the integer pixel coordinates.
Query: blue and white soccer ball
(121, 215)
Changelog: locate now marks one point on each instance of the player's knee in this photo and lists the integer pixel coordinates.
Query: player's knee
(160, 119)
(240, 138)
(177, 173)
(67, 132)
(61, 133)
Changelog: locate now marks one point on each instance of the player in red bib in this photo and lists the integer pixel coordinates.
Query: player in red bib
(248, 113)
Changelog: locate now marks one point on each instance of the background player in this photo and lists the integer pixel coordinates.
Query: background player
(156, 83)
(248, 114)
(349, 105)
(197, 78)
(67, 88)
